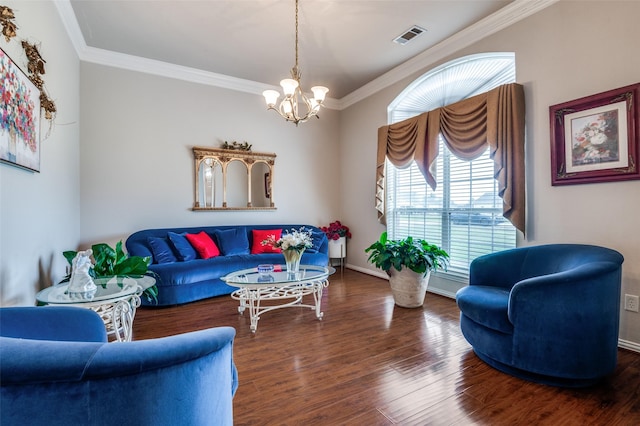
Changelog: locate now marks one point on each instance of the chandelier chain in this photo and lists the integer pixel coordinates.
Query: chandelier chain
(296, 35)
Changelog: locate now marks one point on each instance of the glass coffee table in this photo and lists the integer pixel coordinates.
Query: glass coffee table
(115, 300)
(277, 289)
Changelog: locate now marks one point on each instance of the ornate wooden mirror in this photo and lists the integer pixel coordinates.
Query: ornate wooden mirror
(233, 179)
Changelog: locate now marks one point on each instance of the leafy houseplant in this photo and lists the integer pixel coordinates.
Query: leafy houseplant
(409, 263)
(110, 262)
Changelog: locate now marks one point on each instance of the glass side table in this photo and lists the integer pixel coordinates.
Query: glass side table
(115, 300)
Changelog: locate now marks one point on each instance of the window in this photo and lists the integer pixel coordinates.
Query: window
(464, 214)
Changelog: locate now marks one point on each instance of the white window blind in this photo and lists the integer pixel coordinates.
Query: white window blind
(464, 214)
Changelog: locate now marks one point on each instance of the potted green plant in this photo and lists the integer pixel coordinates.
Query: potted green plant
(110, 262)
(409, 263)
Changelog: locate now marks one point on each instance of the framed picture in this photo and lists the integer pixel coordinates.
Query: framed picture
(596, 138)
(20, 117)
(267, 185)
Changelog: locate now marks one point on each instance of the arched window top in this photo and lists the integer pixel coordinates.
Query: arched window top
(451, 82)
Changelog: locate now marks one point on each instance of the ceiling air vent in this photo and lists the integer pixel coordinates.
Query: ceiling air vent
(409, 35)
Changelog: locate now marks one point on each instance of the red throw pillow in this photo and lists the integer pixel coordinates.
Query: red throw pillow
(203, 244)
(259, 235)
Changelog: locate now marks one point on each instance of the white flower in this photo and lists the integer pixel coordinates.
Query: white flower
(598, 139)
(295, 239)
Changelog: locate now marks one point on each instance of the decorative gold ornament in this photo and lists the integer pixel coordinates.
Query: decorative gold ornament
(35, 64)
(235, 145)
(6, 20)
(35, 67)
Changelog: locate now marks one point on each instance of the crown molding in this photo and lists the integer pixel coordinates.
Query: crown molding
(508, 15)
(493, 23)
(70, 23)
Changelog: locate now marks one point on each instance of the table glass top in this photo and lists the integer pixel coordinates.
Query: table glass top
(278, 276)
(107, 289)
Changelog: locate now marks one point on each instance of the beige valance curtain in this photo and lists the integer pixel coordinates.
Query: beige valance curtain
(495, 118)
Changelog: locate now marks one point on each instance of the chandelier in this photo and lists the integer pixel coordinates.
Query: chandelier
(293, 95)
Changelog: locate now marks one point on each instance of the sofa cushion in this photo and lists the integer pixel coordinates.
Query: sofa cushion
(184, 251)
(233, 241)
(161, 249)
(259, 235)
(203, 244)
(486, 305)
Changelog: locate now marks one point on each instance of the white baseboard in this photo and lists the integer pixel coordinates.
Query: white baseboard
(441, 292)
(376, 273)
(632, 346)
(624, 344)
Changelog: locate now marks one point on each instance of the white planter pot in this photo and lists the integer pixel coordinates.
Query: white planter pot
(408, 287)
(338, 248)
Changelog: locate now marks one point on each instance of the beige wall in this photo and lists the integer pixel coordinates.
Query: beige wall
(565, 52)
(137, 164)
(40, 212)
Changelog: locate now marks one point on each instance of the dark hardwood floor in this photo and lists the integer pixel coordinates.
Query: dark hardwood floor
(371, 363)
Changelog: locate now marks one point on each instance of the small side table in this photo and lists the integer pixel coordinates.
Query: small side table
(115, 300)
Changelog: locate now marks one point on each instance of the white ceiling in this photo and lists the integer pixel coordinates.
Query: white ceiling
(344, 44)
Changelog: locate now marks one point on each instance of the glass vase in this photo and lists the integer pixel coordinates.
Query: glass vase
(292, 259)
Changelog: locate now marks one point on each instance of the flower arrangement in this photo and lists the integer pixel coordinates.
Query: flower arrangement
(296, 239)
(335, 230)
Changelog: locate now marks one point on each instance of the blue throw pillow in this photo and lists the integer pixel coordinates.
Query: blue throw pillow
(183, 248)
(233, 241)
(161, 250)
(317, 237)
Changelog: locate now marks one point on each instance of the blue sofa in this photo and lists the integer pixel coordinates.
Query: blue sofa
(58, 369)
(548, 314)
(187, 279)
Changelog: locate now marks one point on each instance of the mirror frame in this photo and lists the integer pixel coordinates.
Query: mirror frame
(224, 157)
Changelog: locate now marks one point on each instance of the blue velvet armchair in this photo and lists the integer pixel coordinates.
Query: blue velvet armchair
(548, 314)
(56, 368)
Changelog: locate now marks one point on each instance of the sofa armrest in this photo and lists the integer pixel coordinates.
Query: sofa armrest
(61, 323)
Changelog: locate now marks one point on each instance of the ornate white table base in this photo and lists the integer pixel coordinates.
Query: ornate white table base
(118, 316)
(251, 297)
(115, 300)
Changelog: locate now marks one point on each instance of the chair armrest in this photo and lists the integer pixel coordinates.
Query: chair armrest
(566, 296)
(40, 361)
(501, 269)
(123, 358)
(184, 379)
(32, 361)
(570, 319)
(61, 323)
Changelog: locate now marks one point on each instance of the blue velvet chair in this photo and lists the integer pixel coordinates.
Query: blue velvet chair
(548, 314)
(56, 368)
